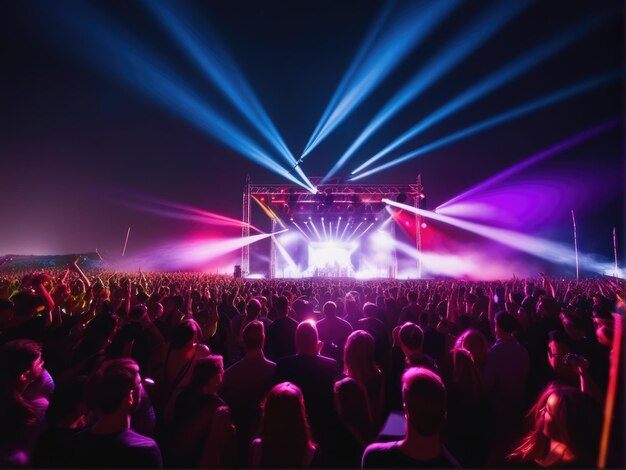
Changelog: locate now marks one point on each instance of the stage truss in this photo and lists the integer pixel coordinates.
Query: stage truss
(338, 194)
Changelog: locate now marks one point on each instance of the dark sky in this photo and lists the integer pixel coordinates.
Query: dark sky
(71, 135)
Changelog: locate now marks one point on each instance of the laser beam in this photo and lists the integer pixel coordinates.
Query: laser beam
(354, 231)
(284, 253)
(219, 66)
(544, 154)
(302, 231)
(315, 229)
(344, 231)
(102, 44)
(377, 58)
(499, 119)
(492, 82)
(539, 247)
(480, 29)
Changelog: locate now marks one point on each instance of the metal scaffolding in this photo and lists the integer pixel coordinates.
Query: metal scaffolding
(341, 195)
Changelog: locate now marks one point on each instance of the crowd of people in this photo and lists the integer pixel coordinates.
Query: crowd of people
(107, 369)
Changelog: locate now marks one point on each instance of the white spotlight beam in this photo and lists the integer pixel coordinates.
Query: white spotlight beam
(309, 227)
(542, 248)
(285, 254)
(317, 232)
(354, 231)
(364, 231)
(337, 228)
(302, 231)
(344, 231)
(324, 227)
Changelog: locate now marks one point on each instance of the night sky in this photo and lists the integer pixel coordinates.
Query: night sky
(77, 143)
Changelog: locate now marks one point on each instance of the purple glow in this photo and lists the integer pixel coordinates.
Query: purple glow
(532, 201)
(546, 153)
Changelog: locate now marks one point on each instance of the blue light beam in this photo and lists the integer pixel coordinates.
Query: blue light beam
(470, 38)
(499, 119)
(493, 81)
(220, 68)
(109, 49)
(376, 61)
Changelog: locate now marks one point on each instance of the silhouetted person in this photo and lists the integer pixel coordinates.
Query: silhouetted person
(279, 336)
(425, 405)
(315, 376)
(333, 332)
(112, 393)
(245, 385)
(284, 439)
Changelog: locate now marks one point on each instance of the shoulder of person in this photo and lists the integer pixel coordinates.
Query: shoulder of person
(202, 349)
(373, 456)
(139, 440)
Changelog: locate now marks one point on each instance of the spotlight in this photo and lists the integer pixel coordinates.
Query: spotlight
(291, 219)
(322, 218)
(424, 225)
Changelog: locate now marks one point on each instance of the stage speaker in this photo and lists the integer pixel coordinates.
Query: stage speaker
(237, 271)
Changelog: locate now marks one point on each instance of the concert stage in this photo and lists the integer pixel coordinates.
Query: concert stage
(341, 231)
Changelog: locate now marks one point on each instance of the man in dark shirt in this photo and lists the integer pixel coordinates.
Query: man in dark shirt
(424, 397)
(112, 392)
(315, 375)
(279, 336)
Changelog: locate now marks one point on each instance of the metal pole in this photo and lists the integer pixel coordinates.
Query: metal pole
(245, 229)
(273, 252)
(418, 226)
(126, 242)
(575, 242)
(393, 268)
(615, 252)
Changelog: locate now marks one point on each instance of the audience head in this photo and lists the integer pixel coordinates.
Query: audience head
(253, 336)
(307, 339)
(425, 401)
(330, 309)
(475, 342)
(253, 308)
(506, 325)
(281, 304)
(185, 334)
(20, 365)
(370, 310)
(207, 374)
(115, 388)
(359, 356)
(411, 338)
(562, 416)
